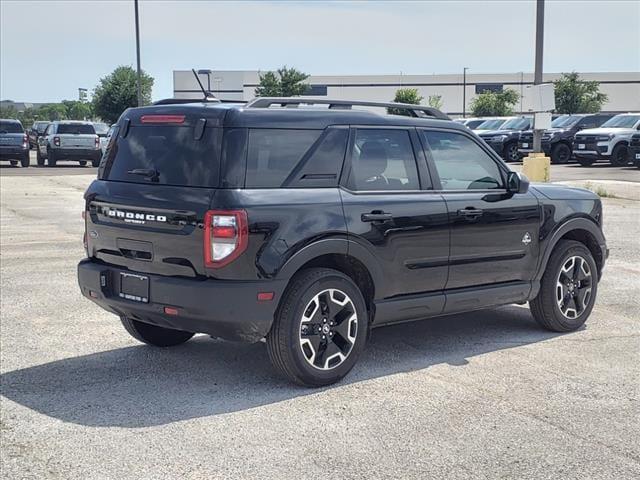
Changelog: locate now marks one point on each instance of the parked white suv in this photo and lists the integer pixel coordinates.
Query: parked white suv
(610, 142)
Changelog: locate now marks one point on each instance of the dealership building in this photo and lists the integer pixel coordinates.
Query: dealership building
(622, 88)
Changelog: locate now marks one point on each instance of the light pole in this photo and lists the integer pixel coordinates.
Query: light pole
(521, 90)
(135, 4)
(537, 77)
(464, 91)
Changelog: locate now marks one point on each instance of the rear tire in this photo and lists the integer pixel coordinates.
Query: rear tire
(560, 154)
(14, 163)
(320, 328)
(95, 162)
(39, 157)
(568, 288)
(586, 162)
(619, 156)
(82, 163)
(154, 335)
(26, 160)
(51, 158)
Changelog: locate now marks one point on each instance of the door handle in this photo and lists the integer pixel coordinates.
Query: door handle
(376, 216)
(470, 213)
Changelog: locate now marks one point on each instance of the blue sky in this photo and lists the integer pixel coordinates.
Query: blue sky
(74, 43)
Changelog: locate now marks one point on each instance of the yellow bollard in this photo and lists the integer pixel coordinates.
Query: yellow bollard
(537, 167)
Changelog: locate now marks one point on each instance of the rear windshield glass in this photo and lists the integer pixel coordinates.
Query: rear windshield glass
(76, 129)
(101, 129)
(10, 127)
(166, 155)
(40, 126)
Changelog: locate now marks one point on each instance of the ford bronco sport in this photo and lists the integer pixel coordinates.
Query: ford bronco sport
(14, 143)
(69, 140)
(309, 222)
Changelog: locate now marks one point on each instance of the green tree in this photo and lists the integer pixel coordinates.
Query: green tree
(405, 95)
(118, 91)
(578, 96)
(77, 110)
(286, 82)
(492, 104)
(52, 111)
(435, 101)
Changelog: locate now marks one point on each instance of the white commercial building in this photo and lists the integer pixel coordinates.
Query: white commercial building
(622, 88)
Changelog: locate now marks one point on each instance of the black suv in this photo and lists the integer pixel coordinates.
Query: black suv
(557, 142)
(308, 226)
(634, 149)
(505, 140)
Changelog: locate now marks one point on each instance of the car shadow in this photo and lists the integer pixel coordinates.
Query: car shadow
(142, 386)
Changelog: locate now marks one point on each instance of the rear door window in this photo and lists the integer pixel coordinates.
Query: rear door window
(166, 155)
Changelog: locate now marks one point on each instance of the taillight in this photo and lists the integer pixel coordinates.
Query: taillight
(97, 142)
(25, 141)
(56, 141)
(162, 119)
(84, 237)
(225, 236)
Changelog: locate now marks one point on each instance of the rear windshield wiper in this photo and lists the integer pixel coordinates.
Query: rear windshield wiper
(149, 173)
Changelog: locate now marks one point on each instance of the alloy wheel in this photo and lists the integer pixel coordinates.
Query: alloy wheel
(573, 287)
(328, 329)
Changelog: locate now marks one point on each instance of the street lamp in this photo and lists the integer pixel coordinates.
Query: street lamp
(464, 91)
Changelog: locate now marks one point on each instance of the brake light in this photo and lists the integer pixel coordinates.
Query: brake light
(162, 119)
(25, 141)
(56, 141)
(97, 142)
(226, 236)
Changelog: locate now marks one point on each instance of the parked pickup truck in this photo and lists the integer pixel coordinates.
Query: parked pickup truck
(69, 140)
(14, 144)
(634, 149)
(609, 142)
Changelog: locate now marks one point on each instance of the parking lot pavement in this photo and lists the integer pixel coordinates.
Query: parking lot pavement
(480, 395)
(63, 168)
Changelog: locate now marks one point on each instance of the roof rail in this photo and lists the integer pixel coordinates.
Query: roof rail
(414, 110)
(175, 101)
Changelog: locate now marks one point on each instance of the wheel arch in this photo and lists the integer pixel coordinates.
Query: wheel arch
(343, 255)
(583, 230)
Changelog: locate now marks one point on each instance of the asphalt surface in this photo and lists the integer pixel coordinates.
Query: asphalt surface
(481, 395)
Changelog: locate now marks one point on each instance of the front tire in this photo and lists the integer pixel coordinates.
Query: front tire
(154, 335)
(568, 288)
(511, 153)
(620, 156)
(320, 328)
(561, 153)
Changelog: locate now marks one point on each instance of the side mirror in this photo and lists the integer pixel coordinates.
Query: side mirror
(517, 183)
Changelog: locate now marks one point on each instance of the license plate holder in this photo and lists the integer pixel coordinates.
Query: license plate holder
(525, 145)
(134, 287)
(637, 156)
(581, 146)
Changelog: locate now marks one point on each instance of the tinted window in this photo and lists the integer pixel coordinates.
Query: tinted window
(461, 163)
(10, 127)
(622, 121)
(40, 126)
(516, 124)
(383, 160)
(101, 129)
(76, 129)
(473, 124)
(170, 151)
(322, 165)
(273, 154)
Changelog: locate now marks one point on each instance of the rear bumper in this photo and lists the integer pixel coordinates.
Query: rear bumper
(222, 308)
(76, 153)
(13, 153)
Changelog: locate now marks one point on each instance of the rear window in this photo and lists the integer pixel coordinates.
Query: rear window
(76, 129)
(166, 155)
(10, 127)
(274, 153)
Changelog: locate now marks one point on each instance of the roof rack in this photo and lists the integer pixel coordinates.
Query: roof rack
(176, 101)
(414, 110)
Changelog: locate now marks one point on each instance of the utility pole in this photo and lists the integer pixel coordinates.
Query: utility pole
(135, 4)
(537, 77)
(464, 91)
